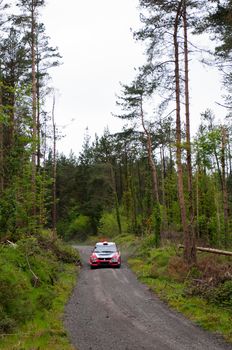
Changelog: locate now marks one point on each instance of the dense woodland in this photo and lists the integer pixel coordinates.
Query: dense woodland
(152, 178)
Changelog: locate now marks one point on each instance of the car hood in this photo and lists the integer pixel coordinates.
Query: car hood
(105, 255)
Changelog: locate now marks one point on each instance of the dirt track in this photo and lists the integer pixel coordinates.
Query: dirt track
(110, 309)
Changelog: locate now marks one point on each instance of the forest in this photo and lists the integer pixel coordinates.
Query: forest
(153, 177)
(152, 180)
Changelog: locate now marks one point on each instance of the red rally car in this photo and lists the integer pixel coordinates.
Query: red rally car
(105, 254)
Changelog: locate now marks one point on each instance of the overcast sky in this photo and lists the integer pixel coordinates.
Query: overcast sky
(98, 49)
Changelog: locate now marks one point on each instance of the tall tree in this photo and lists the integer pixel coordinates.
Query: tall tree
(54, 165)
(190, 245)
(29, 19)
(162, 16)
(131, 102)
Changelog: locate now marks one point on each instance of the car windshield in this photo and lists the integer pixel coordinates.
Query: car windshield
(105, 249)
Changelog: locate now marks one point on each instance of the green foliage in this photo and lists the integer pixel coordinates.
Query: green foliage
(156, 220)
(29, 273)
(108, 225)
(222, 295)
(170, 278)
(46, 329)
(79, 228)
(15, 288)
(65, 252)
(127, 240)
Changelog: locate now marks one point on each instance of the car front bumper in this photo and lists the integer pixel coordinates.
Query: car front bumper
(104, 262)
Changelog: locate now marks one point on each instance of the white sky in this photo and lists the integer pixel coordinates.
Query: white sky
(99, 51)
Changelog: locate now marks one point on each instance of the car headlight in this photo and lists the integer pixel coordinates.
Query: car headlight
(115, 259)
(93, 259)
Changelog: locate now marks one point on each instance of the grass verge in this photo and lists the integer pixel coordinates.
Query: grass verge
(38, 323)
(168, 277)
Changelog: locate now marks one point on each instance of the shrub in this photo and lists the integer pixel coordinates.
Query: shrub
(79, 228)
(222, 295)
(213, 282)
(178, 269)
(66, 253)
(108, 225)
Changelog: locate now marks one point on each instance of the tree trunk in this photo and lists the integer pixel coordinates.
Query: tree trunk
(34, 110)
(197, 202)
(150, 158)
(162, 159)
(38, 126)
(115, 199)
(187, 254)
(156, 208)
(54, 214)
(1, 142)
(191, 229)
(42, 209)
(224, 187)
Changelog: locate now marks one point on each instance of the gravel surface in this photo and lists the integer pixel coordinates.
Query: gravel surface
(110, 309)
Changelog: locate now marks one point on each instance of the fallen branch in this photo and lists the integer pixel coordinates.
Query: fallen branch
(210, 250)
(36, 278)
(14, 245)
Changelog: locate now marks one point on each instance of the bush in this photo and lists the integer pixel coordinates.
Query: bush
(147, 244)
(79, 228)
(213, 282)
(108, 225)
(222, 295)
(66, 253)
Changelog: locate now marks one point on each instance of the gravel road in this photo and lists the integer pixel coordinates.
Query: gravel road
(110, 309)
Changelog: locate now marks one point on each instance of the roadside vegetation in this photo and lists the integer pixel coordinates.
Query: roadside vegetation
(37, 276)
(202, 292)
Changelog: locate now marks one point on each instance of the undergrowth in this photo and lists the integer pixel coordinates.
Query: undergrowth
(37, 275)
(203, 292)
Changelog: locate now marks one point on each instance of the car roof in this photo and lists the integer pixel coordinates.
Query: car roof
(105, 243)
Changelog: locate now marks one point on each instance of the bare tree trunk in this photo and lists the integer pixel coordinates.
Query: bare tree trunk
(34, 109)
(197, 201)
(54, 211)
(229, 155)
(11, 129)
(38, 126)
(1, 145)
(156, 208)
(187, 254)
(140, 191)
(191, 229)
(224, 187)
(115, 198)
(162, 159)
(150, 157)
(42, 210)
(217, 206)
